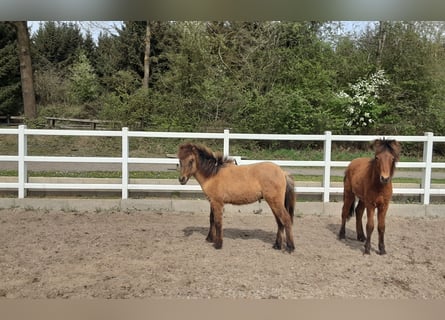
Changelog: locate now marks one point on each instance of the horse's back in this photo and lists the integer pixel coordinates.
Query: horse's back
(356, 175)
(267, 171)
(247, 183)
(358, 168)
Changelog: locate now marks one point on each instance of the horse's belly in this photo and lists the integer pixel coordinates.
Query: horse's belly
(241, 197)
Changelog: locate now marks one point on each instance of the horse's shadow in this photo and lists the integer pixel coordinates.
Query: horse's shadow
(351, 237)
(235, 233)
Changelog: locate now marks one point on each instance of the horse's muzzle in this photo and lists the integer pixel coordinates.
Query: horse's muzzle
(385, 180)
(183, 180)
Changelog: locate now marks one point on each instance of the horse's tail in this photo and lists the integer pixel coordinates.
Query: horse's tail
(351, 210)
(290, 197)
(352, 207)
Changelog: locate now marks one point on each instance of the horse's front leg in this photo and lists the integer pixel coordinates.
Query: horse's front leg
(381, 215)
(211, 235)
(217, 209)
(370, 210)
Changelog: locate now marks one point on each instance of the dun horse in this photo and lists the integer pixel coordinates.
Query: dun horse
(222, 181)
(369, 179)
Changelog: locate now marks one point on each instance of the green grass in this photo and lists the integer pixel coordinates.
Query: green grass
(340, 179)
(158, 147)
(174, 175)
(144, 147)
(94, 174)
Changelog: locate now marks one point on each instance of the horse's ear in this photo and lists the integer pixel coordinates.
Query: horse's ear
(396, 146)
(374, 144)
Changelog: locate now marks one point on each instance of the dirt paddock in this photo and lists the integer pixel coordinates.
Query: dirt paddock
(112, 254)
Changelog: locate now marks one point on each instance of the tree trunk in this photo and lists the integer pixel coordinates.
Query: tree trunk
(29, 99)
(147, 57)
(382, 38)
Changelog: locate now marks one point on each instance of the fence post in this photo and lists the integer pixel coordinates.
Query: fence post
(428, 159)
(22, 167)
(226, 142)
(327, 165)
(125, 153)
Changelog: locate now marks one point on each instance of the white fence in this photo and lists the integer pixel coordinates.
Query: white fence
(22, 185)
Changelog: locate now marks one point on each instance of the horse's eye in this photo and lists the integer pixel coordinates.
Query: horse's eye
(376, 157)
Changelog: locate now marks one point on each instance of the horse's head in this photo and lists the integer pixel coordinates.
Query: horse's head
(187, 162)
(386, 156)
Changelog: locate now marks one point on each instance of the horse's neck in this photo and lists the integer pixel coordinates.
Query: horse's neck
(200, 178)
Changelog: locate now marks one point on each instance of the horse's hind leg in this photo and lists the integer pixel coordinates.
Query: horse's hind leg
(358, 221)
(290, 246)
(348, 203)
(284, 221)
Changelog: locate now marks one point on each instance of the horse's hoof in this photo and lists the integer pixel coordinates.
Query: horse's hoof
(382, 252)
(341, 236)
(218, 246)
(209, 239)
(367, 250)
(290, 248)
(277, 246)
(361, 238)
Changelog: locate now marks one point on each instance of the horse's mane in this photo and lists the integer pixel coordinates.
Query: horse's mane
(209, 162)
(390, 145)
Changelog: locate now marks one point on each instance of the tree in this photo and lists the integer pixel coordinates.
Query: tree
(131, 45)
(107, 56)
(10, 84)
(147, 40)
(362, 105)
(131, 50)
(83, 81)
(56, 48)
(253, 76)
(29, 100)
(411, 53)
(407, 59)
(56, 45)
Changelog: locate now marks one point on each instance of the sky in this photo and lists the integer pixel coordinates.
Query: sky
(95, 27)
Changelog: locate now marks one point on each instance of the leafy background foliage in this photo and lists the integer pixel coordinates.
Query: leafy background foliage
(262, 77)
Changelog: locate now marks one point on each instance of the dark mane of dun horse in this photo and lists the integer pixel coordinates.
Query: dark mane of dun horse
(210, 162)
(370, 180)
(222, 181)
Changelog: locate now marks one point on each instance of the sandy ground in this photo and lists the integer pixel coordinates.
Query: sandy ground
(45, 254)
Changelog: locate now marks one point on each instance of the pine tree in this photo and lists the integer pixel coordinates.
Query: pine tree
(10, 87)
(56, 45)
(83, 81)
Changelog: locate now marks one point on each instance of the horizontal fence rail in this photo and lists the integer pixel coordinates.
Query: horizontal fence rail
(22, 185)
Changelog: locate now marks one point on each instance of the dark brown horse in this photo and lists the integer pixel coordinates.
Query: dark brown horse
(369, 179)
(222, 181)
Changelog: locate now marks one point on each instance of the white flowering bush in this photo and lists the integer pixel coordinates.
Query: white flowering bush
(361, 103)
